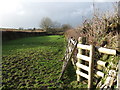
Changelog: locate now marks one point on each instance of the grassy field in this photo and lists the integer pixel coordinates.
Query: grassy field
(36, 62)
(33, 62)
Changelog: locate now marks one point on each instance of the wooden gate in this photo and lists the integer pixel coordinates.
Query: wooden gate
(72, 44)
(90, 59)
(81, 65)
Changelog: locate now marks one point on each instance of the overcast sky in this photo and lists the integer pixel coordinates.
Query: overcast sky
(28, 13)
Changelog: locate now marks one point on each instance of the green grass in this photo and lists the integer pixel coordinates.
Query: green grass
(32, 62)
(35, 62)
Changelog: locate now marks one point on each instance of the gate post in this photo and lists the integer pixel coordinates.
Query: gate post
(118, 48)
(91, 67)
(81, 40)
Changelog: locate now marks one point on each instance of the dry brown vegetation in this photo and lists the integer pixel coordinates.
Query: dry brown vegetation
(101, 28)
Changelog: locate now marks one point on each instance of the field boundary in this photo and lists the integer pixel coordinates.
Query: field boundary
(11, 35)
(89, 63)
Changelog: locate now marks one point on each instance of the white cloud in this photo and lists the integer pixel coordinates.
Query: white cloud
(77, 12)
(28, 13)
(106, 0)
(21, 13)
(8, 6)
(71, 0)
(83, 11)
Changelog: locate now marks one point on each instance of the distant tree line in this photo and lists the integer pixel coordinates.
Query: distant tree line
(52, 26)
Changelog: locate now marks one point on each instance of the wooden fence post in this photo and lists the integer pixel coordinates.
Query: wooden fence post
(118, 45)
(91, 66)
(118, 76)
(81, 40)
(118, 49)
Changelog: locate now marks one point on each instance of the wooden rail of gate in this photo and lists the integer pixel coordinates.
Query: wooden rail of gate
(90, 59)
(72, 44)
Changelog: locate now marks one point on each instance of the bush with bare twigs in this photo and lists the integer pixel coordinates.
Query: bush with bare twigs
(101, 28)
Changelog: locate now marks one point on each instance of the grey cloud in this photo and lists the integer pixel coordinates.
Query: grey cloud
(31, 14)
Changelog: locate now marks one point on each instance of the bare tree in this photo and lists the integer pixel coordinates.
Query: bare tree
(46, 23)
(66, 27)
